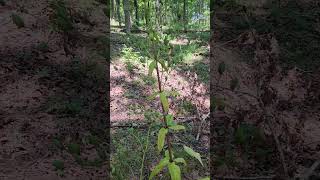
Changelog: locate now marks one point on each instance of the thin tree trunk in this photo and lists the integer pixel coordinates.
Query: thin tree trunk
(146, 12)
(127, 18)
(137, 11)
(112, 9)
(158, 14)
(185, 14)
(118, 11)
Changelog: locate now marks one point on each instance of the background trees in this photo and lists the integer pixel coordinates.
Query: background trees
(181, 15)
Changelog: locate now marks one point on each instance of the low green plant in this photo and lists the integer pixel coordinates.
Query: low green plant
(74, 149)
(59, 167)
(43, 47)
(158, 44)
(61, 19)
(17, 20)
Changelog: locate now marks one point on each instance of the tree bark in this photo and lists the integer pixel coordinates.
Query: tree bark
(137, 11)
(185, 14)
(127, 18)
(112, 9)
(118, 11)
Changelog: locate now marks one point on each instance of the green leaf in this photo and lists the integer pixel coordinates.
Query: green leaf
(163, 65)
(221, 68)
(164, 102)
(206, 178)
(153, 95)
(180, 160)
(59, 165)
(152, 66)
(74, 148)
(17, 20)
(192, 153)
(166, 154)
(159, 167)
(161, 138)
(174, 171)
(177, 127)
(169, 120)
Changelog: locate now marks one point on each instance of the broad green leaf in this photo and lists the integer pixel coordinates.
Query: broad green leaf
(177, 127)
(174, 171)
(192, 153)
(152, 66)
(164, 102)
(169, 120)
(206, 178)
(180, 160)
(159, 167)
(221, 68)
(161, 138)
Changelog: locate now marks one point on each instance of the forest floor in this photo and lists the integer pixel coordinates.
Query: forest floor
(53, 107)
(132, 112)
(269, 125)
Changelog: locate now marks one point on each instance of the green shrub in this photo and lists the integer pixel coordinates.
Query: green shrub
(58, 164)
(43, 47)
(17, 20)
(74, 149)
(61, 20)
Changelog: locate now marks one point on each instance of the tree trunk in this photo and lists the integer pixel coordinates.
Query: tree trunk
(118, 11)
(137, 11)
(127, 18)
(146, 11)
(185, 14)
(112, 9)
(158, 14)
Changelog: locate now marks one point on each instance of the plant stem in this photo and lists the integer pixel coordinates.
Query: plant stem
(164, 114)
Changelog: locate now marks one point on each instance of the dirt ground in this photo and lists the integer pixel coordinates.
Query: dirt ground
(290, 98)
(30, 80)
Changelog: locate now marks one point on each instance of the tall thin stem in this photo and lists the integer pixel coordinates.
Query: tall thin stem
(164, 114)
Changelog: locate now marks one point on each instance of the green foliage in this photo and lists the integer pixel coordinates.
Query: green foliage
(174, 171)
(43, 47)
(57, 143)
(74, 149)
(192, 153)
(17, 20)
(161, 138)
(169, 160)
(61, 19)
(58, 165)
(156, 170)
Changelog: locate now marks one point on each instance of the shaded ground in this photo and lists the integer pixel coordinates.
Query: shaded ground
(52, 105)
(272, 101)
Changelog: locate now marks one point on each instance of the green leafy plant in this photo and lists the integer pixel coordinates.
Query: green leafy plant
(17, 20)
(61, 19)
(169, 161)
